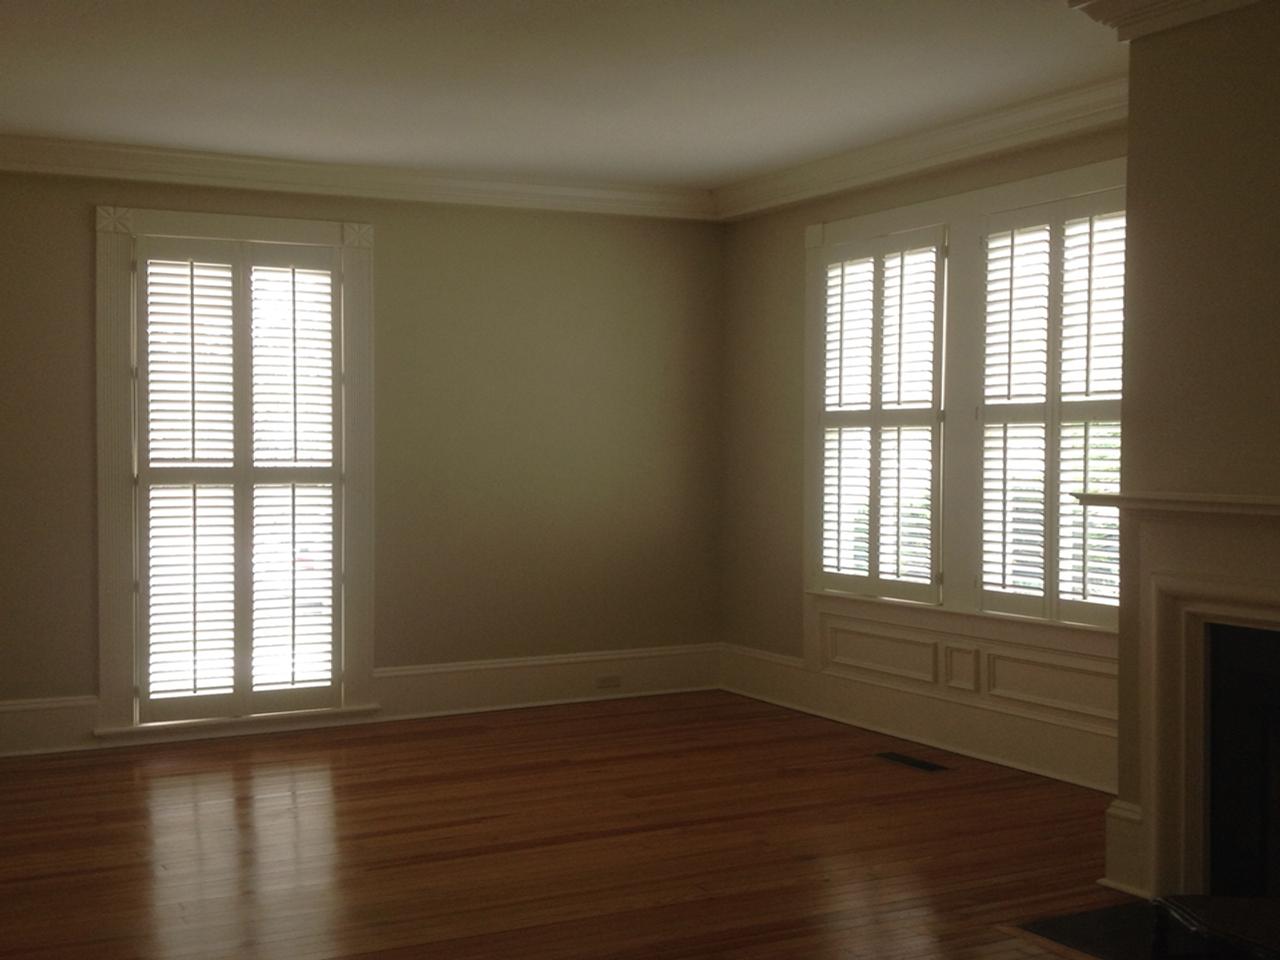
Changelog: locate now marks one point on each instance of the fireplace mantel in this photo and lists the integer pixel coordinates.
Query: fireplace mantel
(1189, 560)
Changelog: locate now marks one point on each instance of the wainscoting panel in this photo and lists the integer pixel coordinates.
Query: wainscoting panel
(956, 720)
(880, 651)
(1077, 688)
(1041, 697)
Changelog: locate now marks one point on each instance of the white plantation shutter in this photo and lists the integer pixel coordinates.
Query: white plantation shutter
(1017, 328)
(191, 589)
(880, 415)
(1089, 537)
(846, 501)
(1013, 507)
(849, 330)
(910, 314)
(906, 503)
(1093, 307)
(1052, 386)
(189, 363)
(292, 366)
(293, 604)
(240, 478)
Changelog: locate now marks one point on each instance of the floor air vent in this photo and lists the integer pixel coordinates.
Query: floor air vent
(916, 762)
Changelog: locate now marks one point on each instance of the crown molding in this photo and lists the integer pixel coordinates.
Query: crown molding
(117, 161)
(1022, 125)
(1137, 18)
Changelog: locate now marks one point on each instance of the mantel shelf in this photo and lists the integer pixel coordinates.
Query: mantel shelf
(1239, 504)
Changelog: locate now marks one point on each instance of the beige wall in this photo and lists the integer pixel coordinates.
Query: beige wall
(547, 449)
(1202, 378)
(1202, 350)
(764, 339)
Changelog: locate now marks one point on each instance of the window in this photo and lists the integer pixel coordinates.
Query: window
(234, 461)
(881, 412)
(1051, 409)
(965, 365)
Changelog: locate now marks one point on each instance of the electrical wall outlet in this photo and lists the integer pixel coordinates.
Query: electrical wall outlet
(611, 682)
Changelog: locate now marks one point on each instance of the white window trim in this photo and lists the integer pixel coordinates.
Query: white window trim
(967, 218)
(119, 230)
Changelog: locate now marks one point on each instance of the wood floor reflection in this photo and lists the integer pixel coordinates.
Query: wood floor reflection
(683, 826)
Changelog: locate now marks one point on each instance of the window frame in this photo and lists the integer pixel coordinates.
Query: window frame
(958, 544)
(123, 237)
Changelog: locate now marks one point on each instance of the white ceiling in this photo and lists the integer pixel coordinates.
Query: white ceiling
(668, 93)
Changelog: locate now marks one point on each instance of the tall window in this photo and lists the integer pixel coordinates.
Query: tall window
(1054, 332)
(243, 355)
(1033, 303)
(881, 414)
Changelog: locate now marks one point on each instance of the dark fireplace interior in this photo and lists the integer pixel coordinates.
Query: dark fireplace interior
(1244, 761)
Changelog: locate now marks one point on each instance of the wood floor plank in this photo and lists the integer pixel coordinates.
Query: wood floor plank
(682, 826)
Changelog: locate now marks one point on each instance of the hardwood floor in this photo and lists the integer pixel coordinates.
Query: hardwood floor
(682, 826)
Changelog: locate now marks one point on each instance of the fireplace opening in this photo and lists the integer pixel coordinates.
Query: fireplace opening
(1244, 761)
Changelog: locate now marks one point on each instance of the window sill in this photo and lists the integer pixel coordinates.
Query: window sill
(978, 616)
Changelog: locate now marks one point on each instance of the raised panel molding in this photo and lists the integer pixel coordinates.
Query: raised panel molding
(1062, 675)
(1037, 740)
(1076, 688)
(861, 648)
(961, 667)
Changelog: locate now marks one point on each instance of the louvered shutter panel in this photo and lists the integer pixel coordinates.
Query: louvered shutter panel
(846, 500)
(241, 595)
(292, 366)
(849, 329)
(189, 363)
(909, 312)
(190, 589)
(1093, 307)
(293, 569)
(1089, 537)
(1052, 386)
(1017, 323)
(1013, 507)
(906, 504)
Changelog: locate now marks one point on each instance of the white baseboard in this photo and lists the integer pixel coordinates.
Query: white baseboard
(1043, 745)
(1127, 850)
(59, 724)
(438, 689)
(47, 725)
(1048, 745)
